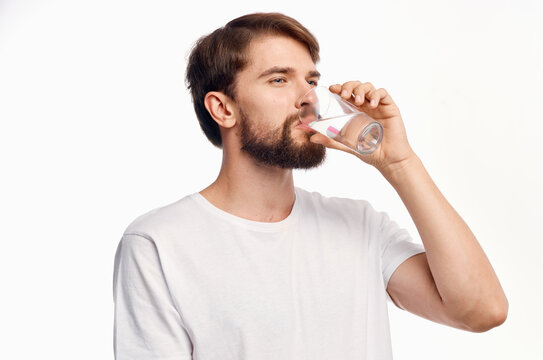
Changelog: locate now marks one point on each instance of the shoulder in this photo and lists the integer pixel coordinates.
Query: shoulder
(314, 198)
(163, 219)
(342, 206)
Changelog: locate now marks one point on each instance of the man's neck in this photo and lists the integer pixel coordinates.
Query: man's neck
(252, 191)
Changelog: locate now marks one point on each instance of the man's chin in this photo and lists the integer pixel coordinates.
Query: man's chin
(310, 155)
(293, 155)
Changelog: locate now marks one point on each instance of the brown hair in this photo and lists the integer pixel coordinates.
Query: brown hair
(216, 59)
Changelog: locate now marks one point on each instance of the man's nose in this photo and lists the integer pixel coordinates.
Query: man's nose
(308, 106)
(308, 97)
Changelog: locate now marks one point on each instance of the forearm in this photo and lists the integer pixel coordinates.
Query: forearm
(463, 276)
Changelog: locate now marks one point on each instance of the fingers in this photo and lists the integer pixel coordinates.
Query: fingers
(379, 96)
(360, 93)
(346, 90)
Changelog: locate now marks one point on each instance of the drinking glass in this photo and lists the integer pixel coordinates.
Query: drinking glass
(333, 116)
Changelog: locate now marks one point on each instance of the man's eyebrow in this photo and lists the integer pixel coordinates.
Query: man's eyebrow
(276, 70)
(286, 70)
(315, 74)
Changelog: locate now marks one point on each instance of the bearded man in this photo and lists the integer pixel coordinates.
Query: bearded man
(252, 267)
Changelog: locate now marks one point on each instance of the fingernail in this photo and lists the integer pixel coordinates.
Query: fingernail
(344, 93)
(358, 99)
(373, 102)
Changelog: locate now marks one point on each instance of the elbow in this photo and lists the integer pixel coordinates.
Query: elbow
(488, 318)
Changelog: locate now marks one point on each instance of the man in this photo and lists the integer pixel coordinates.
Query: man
(252, 267)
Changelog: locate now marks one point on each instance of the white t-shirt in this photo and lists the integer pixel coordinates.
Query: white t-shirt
(194, 282)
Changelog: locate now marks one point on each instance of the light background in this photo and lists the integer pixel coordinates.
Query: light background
(97, 128)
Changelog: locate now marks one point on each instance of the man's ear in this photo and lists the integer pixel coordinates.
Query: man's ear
(220, 108)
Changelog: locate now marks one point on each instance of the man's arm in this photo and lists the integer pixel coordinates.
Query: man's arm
(453, 282)
(147, 325)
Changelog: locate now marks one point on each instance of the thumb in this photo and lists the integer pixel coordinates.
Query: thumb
(319, 139)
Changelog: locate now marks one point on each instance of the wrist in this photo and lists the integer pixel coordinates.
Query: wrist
(398, 170)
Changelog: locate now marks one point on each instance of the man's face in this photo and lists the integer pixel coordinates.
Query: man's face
(280, 71)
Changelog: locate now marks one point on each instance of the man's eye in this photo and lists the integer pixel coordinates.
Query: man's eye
(278, 80)
(312, 82)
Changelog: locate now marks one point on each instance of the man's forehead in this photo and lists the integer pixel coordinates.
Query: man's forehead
(284, 54)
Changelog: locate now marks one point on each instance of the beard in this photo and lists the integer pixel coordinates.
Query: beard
(278, 148)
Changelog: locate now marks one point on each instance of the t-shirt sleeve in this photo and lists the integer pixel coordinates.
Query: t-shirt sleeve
(396, 246)
(147, 324)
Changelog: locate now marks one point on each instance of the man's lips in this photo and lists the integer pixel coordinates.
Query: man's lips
(301, 125)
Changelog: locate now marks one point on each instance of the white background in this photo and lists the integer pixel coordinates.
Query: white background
(97, 128)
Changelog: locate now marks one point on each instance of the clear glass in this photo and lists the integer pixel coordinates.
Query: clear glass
(333, 116)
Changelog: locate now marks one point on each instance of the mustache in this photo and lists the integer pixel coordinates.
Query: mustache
(291, 119)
